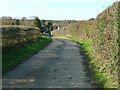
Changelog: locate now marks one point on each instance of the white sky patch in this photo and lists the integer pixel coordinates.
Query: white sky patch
(76, 0)
(60, 0)
(34, 8)
(4, 4)
(54, 9)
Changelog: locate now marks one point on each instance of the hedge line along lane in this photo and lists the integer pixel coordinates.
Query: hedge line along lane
(59, 65)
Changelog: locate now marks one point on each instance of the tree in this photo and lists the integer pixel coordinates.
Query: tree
(42, 29)
(50, 27)
(37, 22)
(43, 22)
(24, 21)
(17, 22)
(43, 26)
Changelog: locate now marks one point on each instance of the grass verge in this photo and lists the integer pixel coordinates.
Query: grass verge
(97, 78)
(18, 54)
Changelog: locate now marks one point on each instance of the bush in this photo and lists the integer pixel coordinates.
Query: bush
(17, 35)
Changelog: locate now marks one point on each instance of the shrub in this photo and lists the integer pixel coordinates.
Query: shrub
(17, 35)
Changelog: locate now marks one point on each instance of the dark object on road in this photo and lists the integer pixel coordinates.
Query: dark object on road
(55, 70)
(70, 77)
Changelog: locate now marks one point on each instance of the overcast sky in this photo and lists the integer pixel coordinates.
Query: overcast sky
(54, 9)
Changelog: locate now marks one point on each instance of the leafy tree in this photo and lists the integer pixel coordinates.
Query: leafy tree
(37, 22)
(42, 29)
(17, 22)
(24, 21)
(50, 27)
(43, 22)
(43, 26)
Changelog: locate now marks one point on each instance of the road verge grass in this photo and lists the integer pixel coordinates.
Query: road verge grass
(97, 79)
(18, 54)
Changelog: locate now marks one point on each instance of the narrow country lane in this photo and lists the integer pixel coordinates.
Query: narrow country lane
(59, 65)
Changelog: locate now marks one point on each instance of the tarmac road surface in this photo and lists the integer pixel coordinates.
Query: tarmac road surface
(59, 65)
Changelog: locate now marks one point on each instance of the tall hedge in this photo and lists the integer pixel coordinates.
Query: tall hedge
(104, 33)
(18, 35)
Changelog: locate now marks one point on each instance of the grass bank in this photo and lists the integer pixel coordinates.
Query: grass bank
(18, 54)
(97, 78)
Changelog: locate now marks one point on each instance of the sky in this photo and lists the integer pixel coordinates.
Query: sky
(54, 9)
